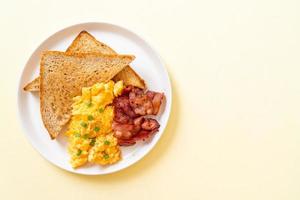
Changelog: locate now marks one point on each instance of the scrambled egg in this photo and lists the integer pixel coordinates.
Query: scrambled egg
(89, 132)
(105, 151)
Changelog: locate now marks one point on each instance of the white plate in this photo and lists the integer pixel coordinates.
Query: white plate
(147, 64)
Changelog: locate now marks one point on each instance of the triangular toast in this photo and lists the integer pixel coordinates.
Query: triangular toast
(86, 43)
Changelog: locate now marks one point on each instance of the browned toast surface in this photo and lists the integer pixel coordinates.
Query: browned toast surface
(86, 43)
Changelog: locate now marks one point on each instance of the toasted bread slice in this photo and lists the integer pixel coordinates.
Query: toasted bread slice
(33, 86)
(62, 77)
(86, 43)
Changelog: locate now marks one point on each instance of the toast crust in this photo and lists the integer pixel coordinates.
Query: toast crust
(75, 46)
(33, 86)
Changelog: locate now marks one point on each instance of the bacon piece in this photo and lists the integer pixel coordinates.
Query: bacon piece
(137, 124)
(129, 134)
(126, 131)
(145, 135)
(121, 117)
(129, 142)
(122, 103)
(126, 90)
(142, 135)
(134, 102)
(145, 104)
(140, 103)
(150, 124)
(138, 121)
(129, 123)
(123, 131)
(156, 99)
(150, 94)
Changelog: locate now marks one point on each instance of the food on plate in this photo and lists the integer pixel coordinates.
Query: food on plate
(86, 43)
(90, 129)
(100, 100)
(130, 110)
(105, 151)
(107, 115)
(33, 86)
(62, 76)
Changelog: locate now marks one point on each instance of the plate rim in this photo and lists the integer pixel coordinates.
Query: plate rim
(20, 88)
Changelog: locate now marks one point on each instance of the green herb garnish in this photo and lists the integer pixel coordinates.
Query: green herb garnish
(93, 141)
(86, 136)
(96, 129)
(106, 156)
(106, 142)
(89, 104)
(90, 117)
(77, 134)
(79, 152)
(83, 124)
(101, 110)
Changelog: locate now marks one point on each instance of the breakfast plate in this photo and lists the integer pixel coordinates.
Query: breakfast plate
(147, 64)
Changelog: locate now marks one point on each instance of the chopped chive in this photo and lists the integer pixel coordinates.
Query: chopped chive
(83, 124)
(106, 156)
(101, 110)
(93, 141)
(77, 134)
(90, 117)
(106, 142)
(89, 104)
(86, 136)
(96, 129)
(79, 152)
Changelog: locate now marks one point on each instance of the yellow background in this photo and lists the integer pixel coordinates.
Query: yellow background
(234, 132)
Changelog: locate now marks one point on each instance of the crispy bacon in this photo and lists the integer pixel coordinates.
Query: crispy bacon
(150, 124)
(129, 124)
(127, 89)
(128, 142)
(121, 117)
(138, 124)
(145, 104)
(141, 129)
(143, 135)
(123, 131)
(140, 103)
(123, 104)
(156, 102)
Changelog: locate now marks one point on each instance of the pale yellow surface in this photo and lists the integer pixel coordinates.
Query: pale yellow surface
(234, 132)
